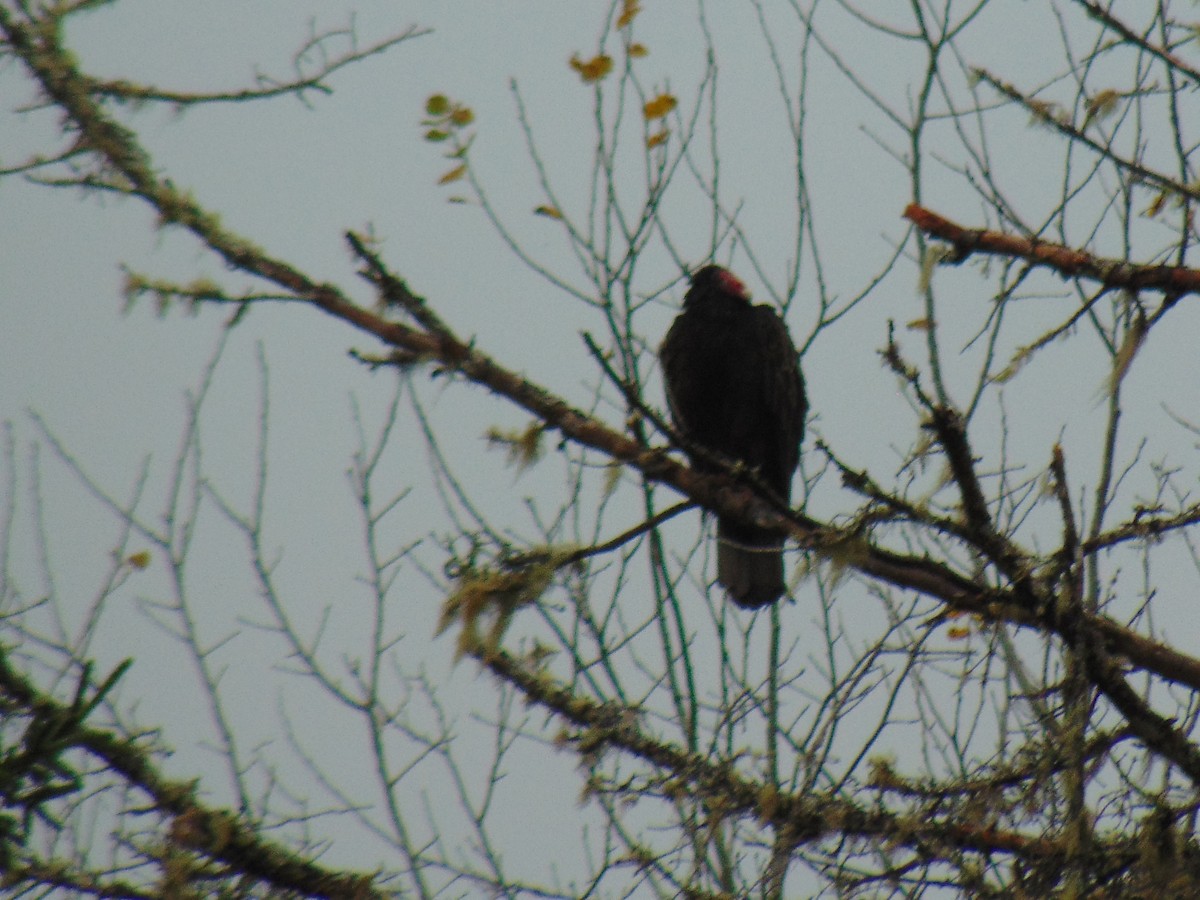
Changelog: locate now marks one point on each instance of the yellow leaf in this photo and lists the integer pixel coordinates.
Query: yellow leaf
(1156, 205)
(592, 70)
(1042, 112)
(462, 115)
(437, 105)
(629, 10)
(1134, 339)
(637, 51)
(958, 632)
(920, 325)
(659, 107)
(612, 478)
(139, 560)
(1022, 356)
(454, 174)
(657, 140)
(934, 255)
(1101, 105)
(549, 212)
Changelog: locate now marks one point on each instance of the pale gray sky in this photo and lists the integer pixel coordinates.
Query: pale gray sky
(292, 179)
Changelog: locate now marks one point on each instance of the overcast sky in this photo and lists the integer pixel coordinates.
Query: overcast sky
(293, 177)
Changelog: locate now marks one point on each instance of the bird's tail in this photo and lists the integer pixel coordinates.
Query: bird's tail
(749, 564)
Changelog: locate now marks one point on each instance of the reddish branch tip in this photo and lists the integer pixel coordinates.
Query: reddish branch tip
(931, 223)
(1069, 262)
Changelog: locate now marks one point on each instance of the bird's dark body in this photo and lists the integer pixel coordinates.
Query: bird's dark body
(734, 387)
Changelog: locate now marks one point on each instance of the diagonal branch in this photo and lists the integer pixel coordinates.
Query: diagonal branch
(1066, 261)
(1100, 14)
(1016, 566)
(1044, 113)
(217, 834)
(796, 819)
(130, 92)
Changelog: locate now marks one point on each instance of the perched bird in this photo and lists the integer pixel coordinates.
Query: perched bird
(734, 387)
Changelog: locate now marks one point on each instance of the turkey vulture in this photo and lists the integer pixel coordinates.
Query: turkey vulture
(734, 387)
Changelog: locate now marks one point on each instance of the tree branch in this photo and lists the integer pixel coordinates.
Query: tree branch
(217, 834)
(799, 819)
(1066, 261)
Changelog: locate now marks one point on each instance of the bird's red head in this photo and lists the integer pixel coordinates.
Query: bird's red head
(722, 280)
(731, 284)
